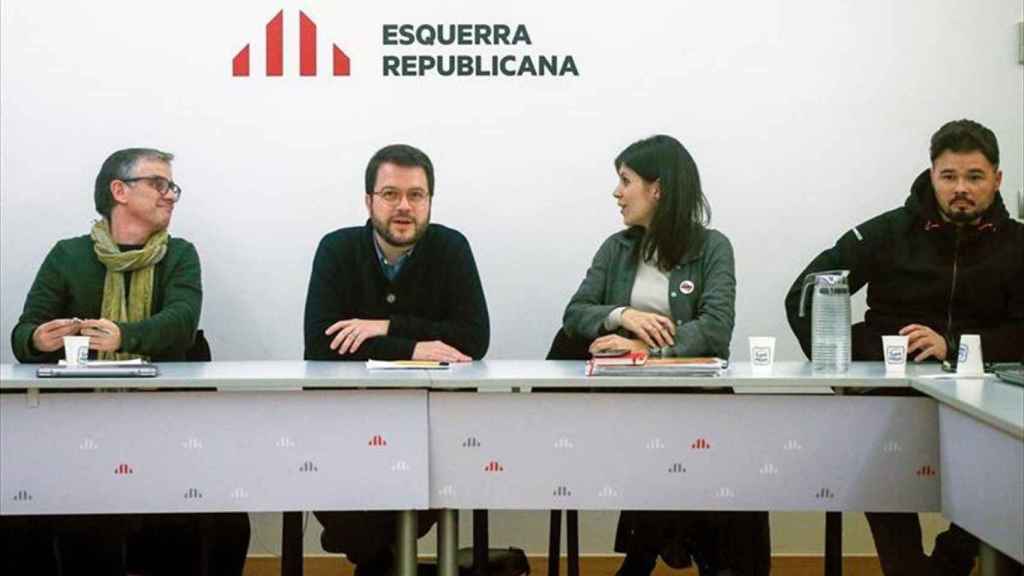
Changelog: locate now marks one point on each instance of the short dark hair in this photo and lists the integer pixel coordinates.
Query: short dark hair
(119, 166)
(965, 136)
(402, 155)
(682, 212)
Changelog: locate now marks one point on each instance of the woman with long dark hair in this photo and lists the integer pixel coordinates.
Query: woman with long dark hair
(666, 285)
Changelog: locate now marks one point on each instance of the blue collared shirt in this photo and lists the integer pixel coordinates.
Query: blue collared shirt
(390, 269)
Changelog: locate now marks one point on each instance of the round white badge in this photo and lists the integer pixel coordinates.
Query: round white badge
(686, 287)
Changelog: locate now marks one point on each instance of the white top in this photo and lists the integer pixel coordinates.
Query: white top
(650, 294)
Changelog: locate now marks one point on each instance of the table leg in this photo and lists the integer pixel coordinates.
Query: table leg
(833, 543)
(995, 563)
(481, 541)
(291, 544)
(554, 542)
(405, 544)
(572, 541)
(448, 543)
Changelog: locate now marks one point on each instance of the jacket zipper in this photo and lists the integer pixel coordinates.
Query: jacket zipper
(950, 353)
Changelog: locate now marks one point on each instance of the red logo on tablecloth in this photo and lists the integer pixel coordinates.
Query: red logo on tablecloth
(925, 470)
(378, 440)
(494, 466)
(701, 444)
(123, 469)
(275, 50)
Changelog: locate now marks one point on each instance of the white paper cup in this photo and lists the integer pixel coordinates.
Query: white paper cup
(762, 354)
(968, 360)
(894, 352)
(76, 350)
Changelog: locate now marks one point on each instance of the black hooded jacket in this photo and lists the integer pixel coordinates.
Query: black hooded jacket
(921, 269)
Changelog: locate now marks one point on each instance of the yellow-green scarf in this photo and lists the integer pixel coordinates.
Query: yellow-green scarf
(141, 264)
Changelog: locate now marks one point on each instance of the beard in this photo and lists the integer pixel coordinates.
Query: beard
(383, 229)
(962, 213)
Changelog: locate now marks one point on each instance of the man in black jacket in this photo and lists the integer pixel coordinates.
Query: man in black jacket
(949, 262)
(397, 288)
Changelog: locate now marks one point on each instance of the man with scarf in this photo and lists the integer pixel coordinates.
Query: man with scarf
(135, 292)
(949, 262)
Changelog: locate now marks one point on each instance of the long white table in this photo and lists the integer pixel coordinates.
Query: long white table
(981, 442)
(282, 436)
(261, 443)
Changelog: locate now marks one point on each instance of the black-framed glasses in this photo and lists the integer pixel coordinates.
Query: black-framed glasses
(393, 197)
(162, 185)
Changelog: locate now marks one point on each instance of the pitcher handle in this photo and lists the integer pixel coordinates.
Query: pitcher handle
(808, 282)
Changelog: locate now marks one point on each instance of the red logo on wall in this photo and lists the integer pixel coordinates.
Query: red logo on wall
(378, 440)
(275, 50)
(123, 469)
(925, 470)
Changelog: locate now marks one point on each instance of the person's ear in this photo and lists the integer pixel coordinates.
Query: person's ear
(119, 191)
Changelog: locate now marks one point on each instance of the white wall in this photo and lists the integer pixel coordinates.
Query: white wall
(805, 118)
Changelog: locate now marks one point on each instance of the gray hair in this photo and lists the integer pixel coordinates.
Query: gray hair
(118, 166)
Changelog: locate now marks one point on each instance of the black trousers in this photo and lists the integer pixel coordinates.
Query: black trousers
(714, 541)
(107, 544)
(898, 541)
(366, 537)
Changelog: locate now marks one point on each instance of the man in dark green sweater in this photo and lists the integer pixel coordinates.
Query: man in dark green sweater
(398, 288)
(128, 286)
(135, 292)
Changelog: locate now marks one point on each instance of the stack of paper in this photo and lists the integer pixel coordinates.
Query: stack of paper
(106, 363)
(646, 366)
(406, 365)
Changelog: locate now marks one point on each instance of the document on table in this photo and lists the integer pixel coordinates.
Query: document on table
(406, 365)
(107, 363)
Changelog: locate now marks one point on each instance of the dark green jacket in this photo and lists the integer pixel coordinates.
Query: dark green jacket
(69, 284)
(704, 317)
